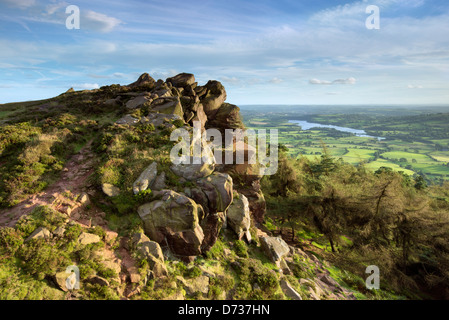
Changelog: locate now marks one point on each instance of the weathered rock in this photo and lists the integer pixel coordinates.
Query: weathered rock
(59, 232)
(182, 80)
(329, 281)
(39, 233)
(152, 252)
(138, 102)
(110, 236)
(227, 116)
(138, 239)
(195, 286)
(145, 179)
(215, 97)
(168, 105)
(98, 280)
(144, 79)
(256, 199)
(88, 238)
(289, 291)
(192, 171)
(83, 198)
(218, 188)
(175, 219)
(110, 190)
(315, 291)
(199, 115)
(238, 217)
(159, 119)
(150, 247)
(134, 275)
(159, 182)
(200, 198)
(63, 278)
(275, 248)
(127, 120)
(113, 102)
(200, 91)
(284, 267)
(211, 226)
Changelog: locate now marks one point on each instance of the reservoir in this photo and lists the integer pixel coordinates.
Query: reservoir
(305, 125)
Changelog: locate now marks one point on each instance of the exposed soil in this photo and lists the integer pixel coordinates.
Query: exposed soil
(73, 181)
(73, 178)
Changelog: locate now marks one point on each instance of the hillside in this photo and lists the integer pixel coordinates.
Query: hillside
(88, 185)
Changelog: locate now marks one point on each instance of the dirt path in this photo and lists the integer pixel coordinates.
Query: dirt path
(74, 178)
(73, 181)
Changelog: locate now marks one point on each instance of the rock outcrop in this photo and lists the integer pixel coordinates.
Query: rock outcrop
(174, 220)
(275, 248)
(238, 217)
(146, 178)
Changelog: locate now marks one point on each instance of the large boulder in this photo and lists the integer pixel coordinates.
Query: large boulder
(218, 188)
(159, 182)
(238, 217)
(211, 225)
(215, 97)
(138, 102)
(199, 115)
(168, 105)
(192, 171)
(144, 79)
(159, 119)
(275, 248)
(152, 252)
(195, 166)
(227, 116)
(110, 190)
(182, 80)
(145, 179)
(174, 219)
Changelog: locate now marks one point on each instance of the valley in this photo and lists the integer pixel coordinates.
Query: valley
(414, 140)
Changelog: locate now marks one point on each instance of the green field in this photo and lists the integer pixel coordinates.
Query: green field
(414, 144)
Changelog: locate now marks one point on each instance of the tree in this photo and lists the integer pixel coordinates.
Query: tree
(420, 183)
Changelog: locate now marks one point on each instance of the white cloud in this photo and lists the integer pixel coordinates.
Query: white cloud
(320, 82)
(22, 4)
(337, 81)
(98, 21)
(344, 81)
(87, 86)
(276, 80)
(414, 86)
(230, 80)
(52, 8)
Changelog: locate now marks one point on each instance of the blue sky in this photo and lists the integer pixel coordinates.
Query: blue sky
(264, 51)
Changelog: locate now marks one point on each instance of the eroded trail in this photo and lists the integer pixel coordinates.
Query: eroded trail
(74, 178)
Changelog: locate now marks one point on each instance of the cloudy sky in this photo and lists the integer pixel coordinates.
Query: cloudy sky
(263, 51)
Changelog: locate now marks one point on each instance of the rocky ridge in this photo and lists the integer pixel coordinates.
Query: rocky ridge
(183, 225)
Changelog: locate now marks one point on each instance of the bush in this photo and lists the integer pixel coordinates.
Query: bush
(193, 272)
(10, 240)
(178, 123)
(41, 259)
(241, 249)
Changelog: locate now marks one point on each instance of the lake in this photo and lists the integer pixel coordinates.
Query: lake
(305, 125)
